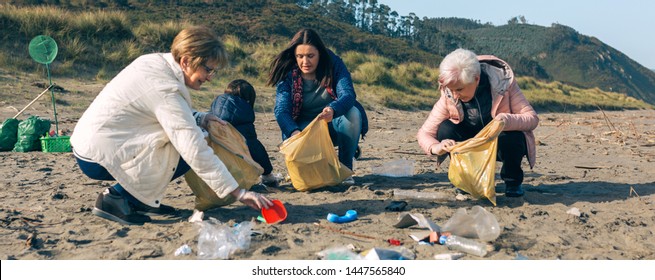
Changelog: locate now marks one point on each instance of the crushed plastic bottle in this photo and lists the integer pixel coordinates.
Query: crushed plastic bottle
(396, 168)
(462, 244)
(416, 195)
(218, 241)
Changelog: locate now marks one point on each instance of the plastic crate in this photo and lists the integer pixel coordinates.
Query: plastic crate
(60, 144)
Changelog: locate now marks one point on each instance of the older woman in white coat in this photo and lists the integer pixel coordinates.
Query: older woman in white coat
(142, 132)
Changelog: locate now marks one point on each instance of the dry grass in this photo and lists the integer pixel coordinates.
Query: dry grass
(97, 44)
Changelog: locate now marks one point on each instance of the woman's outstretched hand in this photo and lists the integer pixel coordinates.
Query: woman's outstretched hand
(253, 199)
(443, 147)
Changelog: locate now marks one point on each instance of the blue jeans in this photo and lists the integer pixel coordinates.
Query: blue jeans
(344, 132)
(96, 171)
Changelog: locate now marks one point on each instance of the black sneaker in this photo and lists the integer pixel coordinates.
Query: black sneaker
(112, 206)
(147, 210)
(516, 191)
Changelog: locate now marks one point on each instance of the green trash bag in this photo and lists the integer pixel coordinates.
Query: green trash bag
(8, 134)
(29, 132)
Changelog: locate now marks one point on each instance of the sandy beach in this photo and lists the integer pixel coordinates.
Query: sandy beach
(600, 163)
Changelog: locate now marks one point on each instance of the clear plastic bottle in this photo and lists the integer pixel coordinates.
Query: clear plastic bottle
(412, 194)
(462, 244)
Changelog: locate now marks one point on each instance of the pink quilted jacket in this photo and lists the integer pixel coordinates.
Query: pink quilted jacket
(507, 100)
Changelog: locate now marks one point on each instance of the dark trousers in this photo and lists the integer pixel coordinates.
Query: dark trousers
(96, 171)
(511, 148)
(259, 155)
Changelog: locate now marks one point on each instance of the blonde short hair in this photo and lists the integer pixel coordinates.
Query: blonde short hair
(459, 66)
(201, 44)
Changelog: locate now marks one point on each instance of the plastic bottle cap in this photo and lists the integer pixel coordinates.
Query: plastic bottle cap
(442, 239)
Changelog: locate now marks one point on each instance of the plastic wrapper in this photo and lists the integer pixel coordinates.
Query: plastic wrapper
(8, 134)
(339, 253)
(478, 223)
(396, 168)
(218, 241)
(29, 132)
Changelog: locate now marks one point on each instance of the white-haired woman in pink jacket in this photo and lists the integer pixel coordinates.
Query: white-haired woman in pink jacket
(475, 90)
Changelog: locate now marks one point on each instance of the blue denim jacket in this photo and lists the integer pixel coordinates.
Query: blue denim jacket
(346, 98)
(237, 112)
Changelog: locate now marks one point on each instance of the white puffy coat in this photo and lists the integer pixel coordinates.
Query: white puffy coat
(139, 126)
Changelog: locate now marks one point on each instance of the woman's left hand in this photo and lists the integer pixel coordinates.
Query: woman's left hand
(327, 114)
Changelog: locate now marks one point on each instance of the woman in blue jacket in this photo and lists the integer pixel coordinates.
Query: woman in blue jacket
(236, 107)
(313, 81)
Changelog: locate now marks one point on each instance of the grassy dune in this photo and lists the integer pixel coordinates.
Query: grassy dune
(95, 45)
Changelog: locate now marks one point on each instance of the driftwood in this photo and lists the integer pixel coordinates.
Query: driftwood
(589, 167)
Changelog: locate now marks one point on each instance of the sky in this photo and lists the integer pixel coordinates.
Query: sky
(625, 25)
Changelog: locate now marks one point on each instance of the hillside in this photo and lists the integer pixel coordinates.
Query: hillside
(556, 53)
(396, 69)
(562, 54)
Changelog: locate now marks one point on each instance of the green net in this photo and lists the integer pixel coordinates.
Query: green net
(43, 49)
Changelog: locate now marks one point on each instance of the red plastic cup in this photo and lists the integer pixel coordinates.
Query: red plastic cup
(275, 213)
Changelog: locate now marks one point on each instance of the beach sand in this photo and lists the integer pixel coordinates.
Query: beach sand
(601, 163)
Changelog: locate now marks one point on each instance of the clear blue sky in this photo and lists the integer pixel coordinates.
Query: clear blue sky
(626, 25)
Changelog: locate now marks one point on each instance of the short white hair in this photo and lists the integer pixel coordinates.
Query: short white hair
(460, 65)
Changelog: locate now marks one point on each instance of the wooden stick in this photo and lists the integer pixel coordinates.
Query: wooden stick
(35, 99)
(398, 151)
(589, 167)
(608, 122)
(345, 232)
(409, 153)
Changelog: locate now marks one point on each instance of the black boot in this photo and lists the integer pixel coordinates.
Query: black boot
(112, 206)
(514, 191)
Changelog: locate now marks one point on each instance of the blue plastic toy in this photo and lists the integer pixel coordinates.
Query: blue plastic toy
(350, 216)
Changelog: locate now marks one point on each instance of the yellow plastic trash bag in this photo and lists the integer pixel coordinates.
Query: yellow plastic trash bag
(230, 146)
(473, 162)
(311, 160)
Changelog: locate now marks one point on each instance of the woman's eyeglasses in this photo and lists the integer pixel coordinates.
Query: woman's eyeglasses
(210, 71)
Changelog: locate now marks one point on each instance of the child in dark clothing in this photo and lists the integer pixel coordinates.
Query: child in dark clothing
(236, 107)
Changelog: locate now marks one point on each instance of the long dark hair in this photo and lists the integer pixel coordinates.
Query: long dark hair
(285, 61)
(242, 89)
